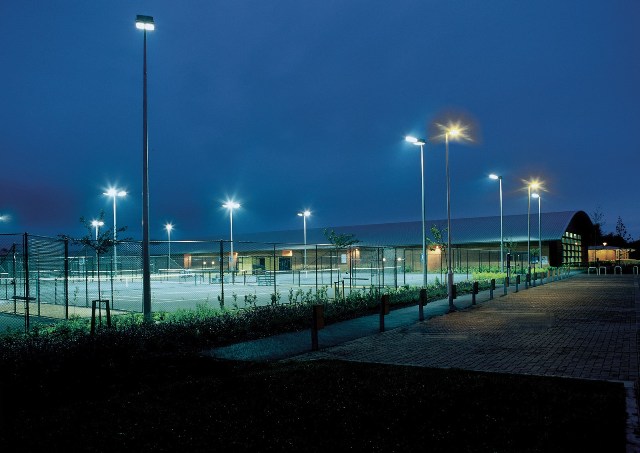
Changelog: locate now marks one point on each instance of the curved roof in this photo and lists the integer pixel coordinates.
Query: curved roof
(472, 230)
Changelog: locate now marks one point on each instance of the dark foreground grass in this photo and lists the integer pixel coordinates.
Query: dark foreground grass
(190, 403)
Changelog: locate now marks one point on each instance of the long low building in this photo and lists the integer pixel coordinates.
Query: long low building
(564, 236)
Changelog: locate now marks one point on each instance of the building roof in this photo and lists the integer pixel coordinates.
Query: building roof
(472, 230)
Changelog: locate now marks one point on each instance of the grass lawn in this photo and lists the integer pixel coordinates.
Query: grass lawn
(190, 403)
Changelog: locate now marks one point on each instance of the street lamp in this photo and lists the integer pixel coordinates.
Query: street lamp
(537, 195)
(450, 132)
(306, 213)
(499, 178)
(231, 205)
(531, 185)
(421, 142)
(145, 23)
(169, 227)
(115, 193)
(97, 224)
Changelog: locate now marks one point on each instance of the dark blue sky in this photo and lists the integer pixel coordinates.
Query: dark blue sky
(305, 104)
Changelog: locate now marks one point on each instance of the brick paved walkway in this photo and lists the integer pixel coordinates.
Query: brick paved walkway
(583, 327)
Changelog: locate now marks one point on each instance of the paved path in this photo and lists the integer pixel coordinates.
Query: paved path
(582, 327)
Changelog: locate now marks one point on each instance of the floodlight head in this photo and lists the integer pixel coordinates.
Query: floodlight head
(415, 140)
(535, 195)
(168, 227)
(305, 213)
(113, 192)
(145, 23)
(97, 223)
(494, 176)
(230, 205)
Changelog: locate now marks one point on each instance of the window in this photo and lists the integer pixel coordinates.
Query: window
(571, 249)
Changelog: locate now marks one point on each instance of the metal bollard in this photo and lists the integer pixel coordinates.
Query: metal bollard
(421, 303)
(506, 285)
(384, 310)
(317, 323)
(474, 291)
(491, 288)
(517, 282)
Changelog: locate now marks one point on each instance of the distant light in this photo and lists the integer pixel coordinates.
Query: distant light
(231, 205)
(168, 227)
(414, 140)
(115, 193)
(97, 223)
(492, 176)
(454, 132)
(305, 213)
(145, 23)
(535, 195)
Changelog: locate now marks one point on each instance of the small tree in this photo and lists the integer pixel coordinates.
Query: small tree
(100, 241)
(340, 240)
(621, 231)
(597, 218)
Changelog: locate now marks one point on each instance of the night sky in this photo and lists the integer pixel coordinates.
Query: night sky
(293, 105)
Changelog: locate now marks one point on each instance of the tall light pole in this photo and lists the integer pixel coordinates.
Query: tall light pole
(537, 195)
(451, 132)
(145, 23)
(499, 178)
(231, 205)
(531, 185)
(169, 227)
(115, 193)
(306, 213)
(97, 224)
(421, 142)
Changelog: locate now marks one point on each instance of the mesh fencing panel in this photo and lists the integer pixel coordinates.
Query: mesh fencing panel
(63, 277)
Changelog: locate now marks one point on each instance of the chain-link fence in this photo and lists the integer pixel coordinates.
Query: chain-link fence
(52, 278)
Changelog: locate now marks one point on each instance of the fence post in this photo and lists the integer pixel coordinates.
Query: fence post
(275, 284)
(221, 273)
(25, 254)
(66, 278)
(421, 303)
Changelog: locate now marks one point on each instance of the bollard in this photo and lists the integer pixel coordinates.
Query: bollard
(491, 288)
(535, 277)
(506, 285)
(317, 323)
(474, 291)
(517, 282)
(421, 303)
(384, 310)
